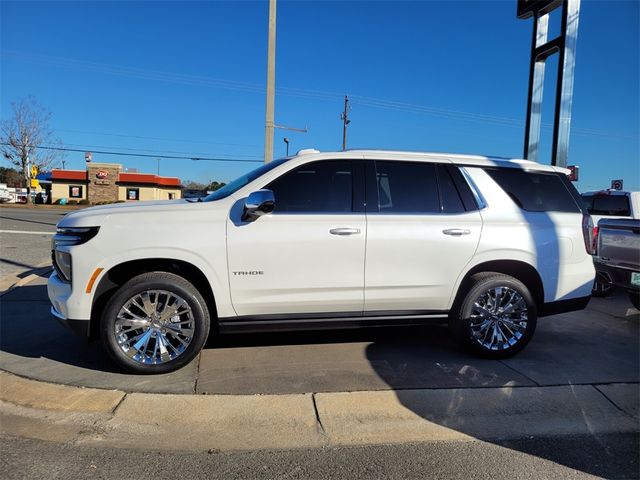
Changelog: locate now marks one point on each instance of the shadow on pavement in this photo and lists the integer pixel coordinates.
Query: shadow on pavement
(24, 220)
(586, 347)
(346, 360)
(33, 344)
(17, 264)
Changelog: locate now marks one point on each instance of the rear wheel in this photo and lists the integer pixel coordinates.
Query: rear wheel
(497, 316)
(155, 323)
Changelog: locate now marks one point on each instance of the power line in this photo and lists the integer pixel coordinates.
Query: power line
(127, 154)
(142, 137)
(288, 91)
(151, 151)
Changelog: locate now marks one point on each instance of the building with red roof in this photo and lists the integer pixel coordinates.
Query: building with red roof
(107, 183)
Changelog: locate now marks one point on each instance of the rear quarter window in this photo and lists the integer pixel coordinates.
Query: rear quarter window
(535, 191)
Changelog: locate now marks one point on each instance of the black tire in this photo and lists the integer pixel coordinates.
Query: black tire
(634, 296)
(602, 286)
(478, 289)
(196, 316)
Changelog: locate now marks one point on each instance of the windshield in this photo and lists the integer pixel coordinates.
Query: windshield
(245, 179)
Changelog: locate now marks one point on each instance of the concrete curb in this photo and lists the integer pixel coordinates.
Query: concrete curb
(252, 422)
(49, 396)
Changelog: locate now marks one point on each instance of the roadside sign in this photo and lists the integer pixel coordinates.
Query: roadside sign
(34, 183)
(34, 171)
(616, 184)
(575, 171)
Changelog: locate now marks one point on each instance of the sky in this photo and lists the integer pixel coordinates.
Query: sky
(188, 79)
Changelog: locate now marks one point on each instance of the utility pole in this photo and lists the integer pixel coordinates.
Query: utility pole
(271, 83)
(27, 175)
(64, 163)
(345, 121)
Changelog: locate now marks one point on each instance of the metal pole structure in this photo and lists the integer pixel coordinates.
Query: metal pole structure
(564, 86)
(271, 84)
(345, 122)
(541, 49)
(286, 140)
(536, 85)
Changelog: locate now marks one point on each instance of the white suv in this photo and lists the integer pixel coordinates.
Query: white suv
(326, 240)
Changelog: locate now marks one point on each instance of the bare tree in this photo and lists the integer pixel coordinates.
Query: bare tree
(21, 136)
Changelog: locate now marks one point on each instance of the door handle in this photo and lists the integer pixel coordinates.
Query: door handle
(344, 231)
(456, 231)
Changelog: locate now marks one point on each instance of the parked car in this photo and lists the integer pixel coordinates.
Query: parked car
(609, 204)
(5, 196)
(619, 254)
(329, 240)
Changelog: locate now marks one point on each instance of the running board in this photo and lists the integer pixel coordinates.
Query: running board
(267, 323)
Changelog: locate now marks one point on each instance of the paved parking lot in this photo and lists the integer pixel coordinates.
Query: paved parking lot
(25, 240)
(597, 346)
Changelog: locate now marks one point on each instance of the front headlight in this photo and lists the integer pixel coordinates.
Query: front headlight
(68, 237)
(62, 264)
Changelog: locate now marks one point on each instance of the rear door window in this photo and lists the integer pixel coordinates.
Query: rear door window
(449, 195)
(535, 191)
(407, 187)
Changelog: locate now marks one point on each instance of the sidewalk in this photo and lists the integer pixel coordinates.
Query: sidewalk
(252, 422)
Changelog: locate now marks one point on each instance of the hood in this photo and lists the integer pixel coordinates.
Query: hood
(96, 216)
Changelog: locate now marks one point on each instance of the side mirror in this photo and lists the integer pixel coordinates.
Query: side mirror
(258, 203)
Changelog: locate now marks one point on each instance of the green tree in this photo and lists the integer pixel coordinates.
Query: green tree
(213, 186)
(11, 176)
(192, 185)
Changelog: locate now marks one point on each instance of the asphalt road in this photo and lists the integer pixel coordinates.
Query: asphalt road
(609, 456)
(25, 238)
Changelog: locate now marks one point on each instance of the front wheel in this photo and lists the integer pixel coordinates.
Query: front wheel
(496, 317)
(155, 323)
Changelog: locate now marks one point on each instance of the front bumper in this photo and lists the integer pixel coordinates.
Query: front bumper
(60, 295)
(79, 327)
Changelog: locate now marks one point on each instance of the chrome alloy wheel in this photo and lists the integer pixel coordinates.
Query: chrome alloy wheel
(499, 318)
(154, 326)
